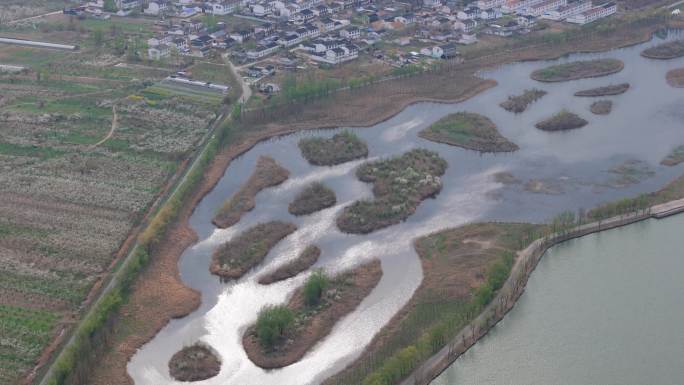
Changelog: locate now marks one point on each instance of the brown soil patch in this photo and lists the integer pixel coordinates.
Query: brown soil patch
(305, 260)
(345, 294)
(268, 173)
(675, 77)
(237, 256)
(194, 363)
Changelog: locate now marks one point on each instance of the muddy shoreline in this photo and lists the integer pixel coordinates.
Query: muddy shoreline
(163, 270)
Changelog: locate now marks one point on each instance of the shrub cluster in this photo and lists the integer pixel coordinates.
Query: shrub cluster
(314, 287)
(272, 324)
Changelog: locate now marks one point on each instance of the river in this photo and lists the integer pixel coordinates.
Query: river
(614, 156)
(604, 309)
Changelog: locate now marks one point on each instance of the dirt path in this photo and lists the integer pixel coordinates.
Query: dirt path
(111, 130)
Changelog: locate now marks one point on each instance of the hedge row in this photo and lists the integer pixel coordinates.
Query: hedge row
(72, 366)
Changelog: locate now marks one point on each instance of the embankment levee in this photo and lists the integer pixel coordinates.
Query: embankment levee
(514, 287)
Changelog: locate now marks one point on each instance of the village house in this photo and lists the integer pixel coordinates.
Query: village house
(157, 7)
(262, 50)
(562, 13)
(539, 9)
(593, 14)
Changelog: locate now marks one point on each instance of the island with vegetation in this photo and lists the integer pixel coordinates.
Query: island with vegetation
(675, 157)
(399, 185)
(305, 260)
(578, 70)
(312, 198)
(468, 130)
(194, 363)
(562, 121)
(519, 103)
(237, 256)
(343, 147)
(268, 173)
(613, 89)
(601, 107)
(675, 77)
(284, 333)
(665, 51)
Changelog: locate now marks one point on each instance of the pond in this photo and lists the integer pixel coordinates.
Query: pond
(603, 309)
(614, 156)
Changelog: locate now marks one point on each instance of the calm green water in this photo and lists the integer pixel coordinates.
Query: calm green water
(606, 309)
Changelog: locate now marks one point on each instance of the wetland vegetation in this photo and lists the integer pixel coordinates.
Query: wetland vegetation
(341, 148)
(312, 198)
(237, 256)
(284, 333)
(519, 103)
(305, 260)
(665, 51)
(468, 130)
(194, 363)
(268, 173)
(613, 89)
(601, 107)
(562, 121)
(399, 185)
(578, 70)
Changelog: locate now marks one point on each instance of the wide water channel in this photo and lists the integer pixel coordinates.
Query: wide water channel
(614, 156)
(604, 309)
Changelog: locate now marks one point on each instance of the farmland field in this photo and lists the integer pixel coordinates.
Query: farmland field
(86, 146)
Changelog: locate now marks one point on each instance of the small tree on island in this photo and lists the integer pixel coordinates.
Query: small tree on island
(314, 287)
(272, 323)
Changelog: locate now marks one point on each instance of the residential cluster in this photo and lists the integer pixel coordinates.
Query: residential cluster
(330, 32)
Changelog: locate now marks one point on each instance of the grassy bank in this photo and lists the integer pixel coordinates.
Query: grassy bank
(578, 70)
(268, 173)
(341, 148)
(519, 103)
(468, 130)
(312, 312)
(613, 89)
(399, 185)
(237, 256)
(312, 198)
(562, 121)
(462, 270)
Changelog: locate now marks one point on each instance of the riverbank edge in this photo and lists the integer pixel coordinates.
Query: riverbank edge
(181, 236)
(514, 287)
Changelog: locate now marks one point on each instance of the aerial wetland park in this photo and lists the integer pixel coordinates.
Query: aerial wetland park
(504, 214)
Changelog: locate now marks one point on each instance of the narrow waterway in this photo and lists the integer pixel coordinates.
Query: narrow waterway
(604, 309)
(614, 156)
